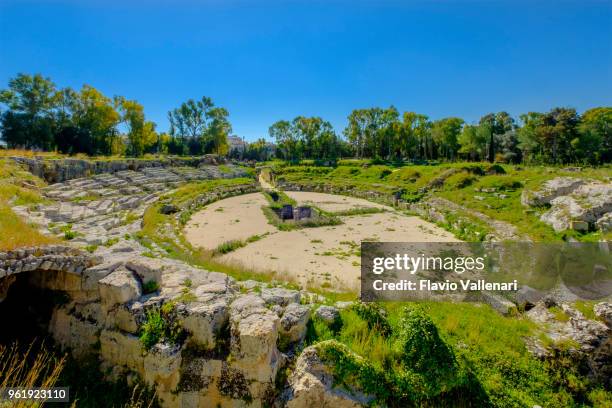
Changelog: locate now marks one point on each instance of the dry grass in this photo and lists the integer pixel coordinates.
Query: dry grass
(27, 369)
(18, 187)
(28, 153)
(15, 233)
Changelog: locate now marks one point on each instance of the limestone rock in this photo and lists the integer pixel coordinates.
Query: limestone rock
(550, 190)
(293, 322)
(70, 332)
(584, 206)
(147, 269)
(205, 321)
(119, 349)
(312, 385)
(162, 362)
(91, 276)
(603, 311)
(604, 224)
(593, 338)
(121, 286)
(328, 314)
(253, 345)
(280, 296)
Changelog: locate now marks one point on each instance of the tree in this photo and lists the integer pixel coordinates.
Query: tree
(357, 130)
(217, 131)
(445, 133)
(141, 135)
(286, 140)
(528, 141)
(473, 142)
(595, 142)
(497, 124)
(96, 119)
(28, 122)
(200, 127)
(414, 135)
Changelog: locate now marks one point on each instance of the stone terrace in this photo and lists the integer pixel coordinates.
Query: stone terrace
(108, 206)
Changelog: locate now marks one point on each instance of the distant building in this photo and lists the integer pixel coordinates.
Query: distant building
(236, 144)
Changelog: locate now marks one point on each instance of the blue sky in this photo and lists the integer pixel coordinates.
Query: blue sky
(271, 60)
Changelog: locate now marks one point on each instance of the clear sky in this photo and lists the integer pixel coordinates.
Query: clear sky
(271, 60)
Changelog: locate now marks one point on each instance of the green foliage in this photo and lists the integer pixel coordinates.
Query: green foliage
(455, 354)
(197, 127)
(350, 368)
(229, 246)
(110, 242)
(424, 352)
(150, 287)
(161, 324)
(374, 316)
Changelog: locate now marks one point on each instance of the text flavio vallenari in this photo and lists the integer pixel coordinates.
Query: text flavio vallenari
(447, 285)
(455, 264)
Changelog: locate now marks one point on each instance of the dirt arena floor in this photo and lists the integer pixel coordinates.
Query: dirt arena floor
(324, 256)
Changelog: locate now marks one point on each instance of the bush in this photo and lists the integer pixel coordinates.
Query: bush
(425, 353)
(374, 317)
(150, 287)
(348, 367)
(495, 169)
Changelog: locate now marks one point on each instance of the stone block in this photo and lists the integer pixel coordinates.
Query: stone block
(204, 322)
(120, 286)
(147, 269)
(293, 323)
(280, 296)
(122, 349)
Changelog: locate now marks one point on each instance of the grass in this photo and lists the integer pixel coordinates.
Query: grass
(36, 366)
(18, 187)
(16, 233)
(489, 350)
(462, 183)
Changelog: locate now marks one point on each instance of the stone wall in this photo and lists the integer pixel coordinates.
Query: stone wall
(226, 353)
(60, 170)
(382, 198)
(53, 258)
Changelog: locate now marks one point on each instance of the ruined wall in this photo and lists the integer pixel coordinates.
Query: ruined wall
(60, 170)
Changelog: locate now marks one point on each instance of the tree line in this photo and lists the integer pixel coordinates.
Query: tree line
(559, 136)
(38, 115)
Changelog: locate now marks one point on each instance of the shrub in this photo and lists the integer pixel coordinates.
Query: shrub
(161, 324)
(69, 234)
(347, 367)
(385, 173)
(150, 287)
(374, 317)
(425, 353)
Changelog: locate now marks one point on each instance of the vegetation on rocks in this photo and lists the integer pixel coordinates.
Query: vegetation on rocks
(480, 188)
(161, 325)
(449, 354)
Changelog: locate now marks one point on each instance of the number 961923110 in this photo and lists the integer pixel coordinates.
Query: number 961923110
(55, 394)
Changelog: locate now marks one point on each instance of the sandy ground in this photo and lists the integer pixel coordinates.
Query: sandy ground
(328, 255)
(237, 217)
(325, 256)
(331, 202)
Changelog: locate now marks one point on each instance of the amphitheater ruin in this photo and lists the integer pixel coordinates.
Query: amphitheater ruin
(227, 351)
